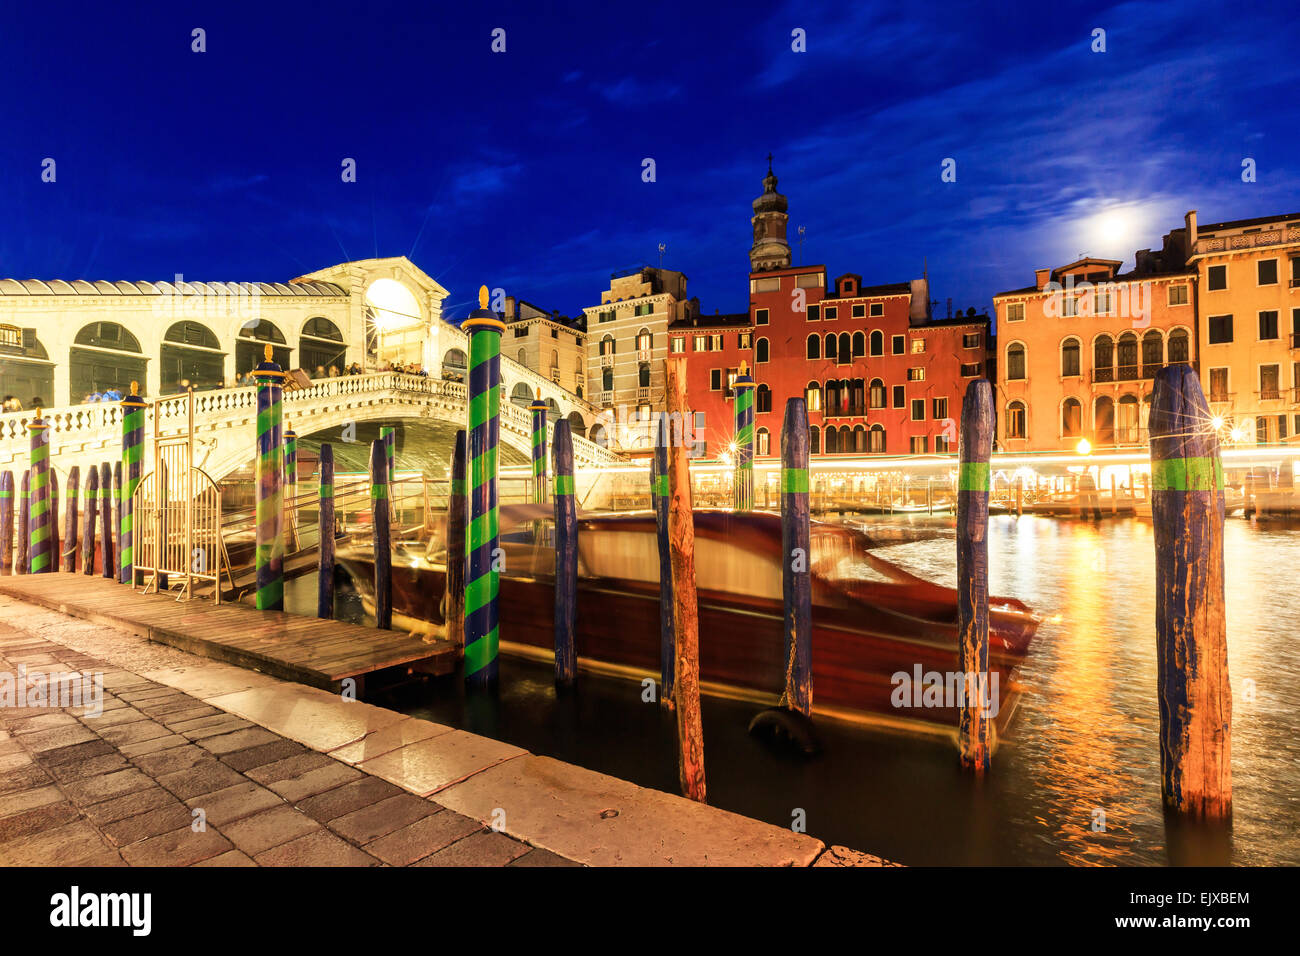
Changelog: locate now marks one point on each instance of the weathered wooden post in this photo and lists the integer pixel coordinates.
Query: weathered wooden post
(117, 521)
(1020, 497)
(88, 529)
(929, 494)
(456, 531)
(55, 541)
(23, 565)
(659, 488)
(6, 522)
(39, 529)
(379, 520)
(481, 623)
(796, 550)
(270, 474)
(388, 435)
(566, 555)
(106, 565)
(681, 537)
(132, 462)
(539, 409)
(1114, 495)
(325, 526)
(1187, 509)
(70, 548)
(744, 391)
(291, 487)
(975, 447)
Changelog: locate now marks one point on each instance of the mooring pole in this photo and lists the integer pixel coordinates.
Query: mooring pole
(681, 537)
(39, 528)
(1187, 508)
(117, 521)
(291, 487)
(566, 555)
(388, 434)
(975, 447)
(24, 563)
(325, 526)
(796, 550)
(659, 488)
(379, 522)
(107, 567)
(55, 541)
(132, 461)
(88, 529)
(6, 522)
(481, 623)
(455, 580)
(539, 410)
(270, 475)
(744, 391)
(70, 520)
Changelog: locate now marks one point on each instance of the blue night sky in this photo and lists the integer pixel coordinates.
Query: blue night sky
(523, 169)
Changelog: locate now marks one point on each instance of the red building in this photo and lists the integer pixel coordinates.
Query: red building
(879, 375)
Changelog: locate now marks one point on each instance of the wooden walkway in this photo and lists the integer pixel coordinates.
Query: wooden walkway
(308, 650)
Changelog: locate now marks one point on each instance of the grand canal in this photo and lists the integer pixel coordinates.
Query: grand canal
(1076, 783)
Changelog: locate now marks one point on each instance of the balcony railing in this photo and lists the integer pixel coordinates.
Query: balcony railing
(1222, 398)
(1269, 394)
(1251, 240)
(605, 398)
(643, 393)
(1126, 373)
(643, 355)
(607, 360)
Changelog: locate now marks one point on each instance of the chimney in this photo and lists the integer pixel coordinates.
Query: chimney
(1041, 277)
(510, 308)
(919, 307)
(1190, 220)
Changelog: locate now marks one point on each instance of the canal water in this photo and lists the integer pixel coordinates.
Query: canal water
(1078, 780)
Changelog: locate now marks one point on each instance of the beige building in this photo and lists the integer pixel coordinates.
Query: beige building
(544, 342)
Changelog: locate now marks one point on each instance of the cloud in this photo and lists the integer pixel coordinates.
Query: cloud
(631, 91)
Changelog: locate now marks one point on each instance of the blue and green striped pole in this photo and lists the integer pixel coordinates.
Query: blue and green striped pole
(132, 461)
(744, 489)
(325, 524)
(291, 486)
(539, 409)
(387, 434)
(270, 477)
(667, 627)
(566, 556)
(6, 522)
(974, 446)
(39, 547)
(482, 533)
(796, 577)
(24, 564)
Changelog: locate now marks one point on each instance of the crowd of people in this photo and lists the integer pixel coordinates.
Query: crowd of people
(12, 403)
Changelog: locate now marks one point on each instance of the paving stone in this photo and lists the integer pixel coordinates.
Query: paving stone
(320, 848)
(372, 822)
(313, 782)
(245, 760)
(43, 740)
(180, 847)
(229, 858)
(84, 769)
(268, 829)
(73, 844)
(24, 778)
(133, 804)
(218, 719)
(156, 745)
(171, 760)
(44, 721)
(164, 819)
(387, 739)
(76, 753)
(317, 718)
(133, 732)
(539, 857)
(113, 718)
(27, 799)
(205, 777)
(239, 740)
(363, 791)
(478, 849)
(288, 767)
(99, 788)
(422, 838)
(15, 761)
(35, 820)
(235, 802)
(430, 765)
(193, 712)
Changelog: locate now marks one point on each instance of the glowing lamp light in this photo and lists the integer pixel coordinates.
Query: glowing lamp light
(1216, 422)
(1084, 446)
(1239, 434)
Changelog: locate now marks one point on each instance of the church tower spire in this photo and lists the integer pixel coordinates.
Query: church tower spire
(771, 249)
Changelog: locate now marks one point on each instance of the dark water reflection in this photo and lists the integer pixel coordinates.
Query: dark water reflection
(1084, 740)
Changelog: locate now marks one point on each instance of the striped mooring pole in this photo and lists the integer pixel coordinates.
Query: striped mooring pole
(796, 578)
(454, 614)
(291, 485)
(974, 446)
(539, 410)
(379, 523)
(24, 564)
(39, 528)
(744, 486)
(667, 631)
(325, 524)
(482, 536)
(270, 477)
(6, 522)
(88, 529)
(70, 539)
(566, 555)
(387, 434)
(132, 461)
(1187, 510)
(108, 568)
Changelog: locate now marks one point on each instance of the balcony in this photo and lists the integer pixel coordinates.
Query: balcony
(1254, 240)
(1126, 373)
(605, 399)
(1269, 394)
(643, 393)
(607, 360)
(643, 355)
(1106, 374)
(1222, 398)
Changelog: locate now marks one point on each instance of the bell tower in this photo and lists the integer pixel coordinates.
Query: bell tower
(771, 250)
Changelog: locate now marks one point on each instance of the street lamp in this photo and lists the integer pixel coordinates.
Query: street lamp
(1084, 446)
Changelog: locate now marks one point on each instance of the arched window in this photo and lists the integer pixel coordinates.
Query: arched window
(877, 393)
(110, 335)
(191, 355)
(607, 345)
(846, 440)
(1103, 359)
(830, 345)
(522, 357)
(814, 440)
(877, 343)
(832, 392)
(1128, 357)
(859, 439)
(643, 375)
(763, 400)
(856, 398)
(1069, 358)
(1015, 363)
(1126, 420)
(814, 346)
(763, 442)
(845, 349)
(1153, 353)
(1103, 420)
(607, 380)
(832, 440)
(1071, 418)
(876, 440)
(859, 345)
(812, 396)
(105, 355)
(761, 350)
(1178, 346)
(521, 394)
(1016, 420)
(251, 346)
(644, 340)
(453, 365)
(320, 346)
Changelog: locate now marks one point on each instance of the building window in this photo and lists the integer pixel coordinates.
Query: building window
(700, 344)
(940, 406)
(1016, 420)
(1179, 342)
(1101, 302)
(715, 379)
(1295, 271)
(918, 346)
(877, 393)
(1266, 271)
(1178, 294)
(1015, 362)
(814, 313)
(830, 345)
(859, 345)
(970, 370)
(761, 351)
(715, 343)
(918, 409)
(764, 442)
(1217, 278)
(814, 350)
(744, 340)
(760, 316)
(644, 309)
(607, 316)
(643, 375)
(1071, 418)
(942, 445)
(812, 396)
(1015, 312)
(899, 344)
(732, 375)
(607, 345)
(644, 341)
(1220, 329)
(1069, 305)
(920, 444)
(763, 400)
(916, 374)
(1268, 325)
(859, 311)
(521, 331)
(877, 343)
(555, 333)
(1219, 385)
(877, 309)
(1070, 358)
(972, 340)
(1268, 382)
(900, 396)
(678, 344)
(876, 440)
(832, 312)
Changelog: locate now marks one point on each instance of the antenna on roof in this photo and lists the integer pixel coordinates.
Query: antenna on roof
(801, 233)
(662, 249)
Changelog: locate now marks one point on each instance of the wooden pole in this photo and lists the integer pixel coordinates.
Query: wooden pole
(23, 564)
(1020, 497)
(975, 447)
(270, 484)
(1187, 508)
(379, 520)
(796, 550)
(1114, 495)
(566, 553)
(743, 389)
(325, 526)
(88, 529)
(70, 548)
(6, 522)
(455, 578)
(107, 568)
(291, 489)
(55, 541)
(117, 521)
(681, 539)
(539, 409)
(659, 489)
(929, 495)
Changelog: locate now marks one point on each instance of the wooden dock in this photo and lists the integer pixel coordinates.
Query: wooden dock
(308, 650)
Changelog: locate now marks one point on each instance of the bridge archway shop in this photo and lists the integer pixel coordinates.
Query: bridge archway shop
(25, 366)
(105, 355)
